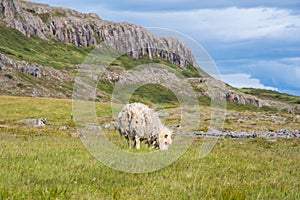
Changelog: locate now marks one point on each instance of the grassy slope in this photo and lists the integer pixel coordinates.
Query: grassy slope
(46, 163)
(47, 53)
(272, 95)
(61, 56)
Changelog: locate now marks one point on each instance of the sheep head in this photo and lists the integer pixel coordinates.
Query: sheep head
(164, 138)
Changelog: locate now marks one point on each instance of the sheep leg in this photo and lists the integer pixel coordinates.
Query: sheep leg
(137, 142)
(149, 143)
(129, 142)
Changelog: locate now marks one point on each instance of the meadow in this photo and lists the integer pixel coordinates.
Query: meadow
(49, 163)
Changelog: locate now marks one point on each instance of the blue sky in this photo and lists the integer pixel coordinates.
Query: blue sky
(253, 43)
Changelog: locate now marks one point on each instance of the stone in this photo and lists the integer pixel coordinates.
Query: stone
(111, 126)
(2, 68)
(93, 128)
(64, 128)
(31, 69)
(34, 122)
(163, 114)
(272, 140)
(75, 134)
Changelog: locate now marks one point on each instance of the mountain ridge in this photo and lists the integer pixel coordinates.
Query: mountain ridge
(84, 30)
(31, 77)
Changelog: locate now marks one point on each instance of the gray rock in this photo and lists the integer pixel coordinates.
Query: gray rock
(93, 128)
(34, 122)
(111, 126)
(2, 68)
(163, 114)
(75, 134)
(242, 98)
(64, 128)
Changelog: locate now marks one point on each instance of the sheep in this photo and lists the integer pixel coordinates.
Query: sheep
(138, 122)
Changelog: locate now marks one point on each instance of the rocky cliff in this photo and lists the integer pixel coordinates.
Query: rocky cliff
(89, 29)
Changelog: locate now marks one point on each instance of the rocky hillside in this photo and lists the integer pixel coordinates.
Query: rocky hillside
(30, 79)
(89, 29)
(42, 46)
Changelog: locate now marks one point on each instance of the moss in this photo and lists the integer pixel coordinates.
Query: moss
(21, 85)
(9, 76)
(59, 14)
(45, 17)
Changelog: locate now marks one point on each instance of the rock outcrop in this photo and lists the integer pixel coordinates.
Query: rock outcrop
(30, 79)
(204, 87)
(242, 98)
(89, 29)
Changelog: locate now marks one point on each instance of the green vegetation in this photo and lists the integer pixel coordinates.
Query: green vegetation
(59, 14)
(155, 94)
(47, 163)
(272, 95)
(204, 101)
(53, 109)
(21, 85)
(250, 107)
(48, 53)
(105, 86)
(59, 167)
(45, 17)
(9, 76)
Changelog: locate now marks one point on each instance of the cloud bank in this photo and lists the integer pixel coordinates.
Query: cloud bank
(244, 81)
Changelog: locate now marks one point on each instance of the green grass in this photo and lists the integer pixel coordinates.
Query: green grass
(155, 94)
(56, 111)
(46, 163)
(59, 167)
(272, 95)
(45, 17)
(47, 53)
(249, 107)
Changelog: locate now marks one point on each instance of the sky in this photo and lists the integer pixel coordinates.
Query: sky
(253, 43)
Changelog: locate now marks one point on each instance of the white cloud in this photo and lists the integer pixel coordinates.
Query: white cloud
(225, 24)
(158, 5)
(244, 81)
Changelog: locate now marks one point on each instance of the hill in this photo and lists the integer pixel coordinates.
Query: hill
(42, 47)
(42, 51)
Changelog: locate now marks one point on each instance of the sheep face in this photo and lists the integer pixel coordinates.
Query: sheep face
(165, 140)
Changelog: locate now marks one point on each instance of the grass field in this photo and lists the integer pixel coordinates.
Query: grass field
(47, 163)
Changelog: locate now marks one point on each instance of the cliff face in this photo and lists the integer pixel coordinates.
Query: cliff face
(89, 29)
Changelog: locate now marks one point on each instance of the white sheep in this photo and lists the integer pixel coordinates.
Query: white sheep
(139, 122)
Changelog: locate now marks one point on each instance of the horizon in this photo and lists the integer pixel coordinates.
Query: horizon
(254, 44)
